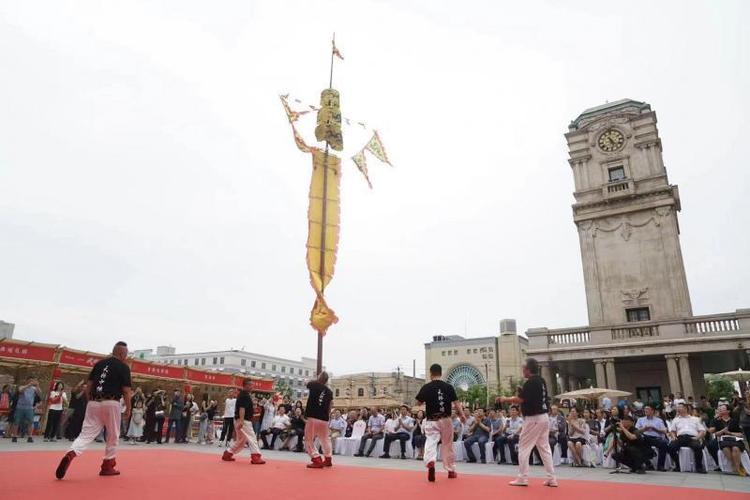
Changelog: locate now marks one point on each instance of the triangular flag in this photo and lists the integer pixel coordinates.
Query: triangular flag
(336, 51)
(361, 162)
(375, 146)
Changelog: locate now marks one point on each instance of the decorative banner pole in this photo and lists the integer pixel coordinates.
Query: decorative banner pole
(324, 197)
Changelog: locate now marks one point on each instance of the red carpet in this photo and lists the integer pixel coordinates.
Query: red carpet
(162, 475)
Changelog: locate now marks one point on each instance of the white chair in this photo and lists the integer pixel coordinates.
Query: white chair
(488, 451)
(557, 456)
(655, 459)
(687, 459)
(347, 446)
(397, 444)
(458, 450)
(726, 465)
(708, 460)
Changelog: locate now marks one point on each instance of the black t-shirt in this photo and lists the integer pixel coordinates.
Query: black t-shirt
(638, 442)
(244, 401)
(438, 397)
(297, 423)
(318, 401)
(732, 423)
(534, 395)
(109, 376)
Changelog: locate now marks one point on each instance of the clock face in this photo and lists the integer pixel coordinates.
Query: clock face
(611, 140)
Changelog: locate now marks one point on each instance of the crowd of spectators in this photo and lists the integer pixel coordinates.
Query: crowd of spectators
(632, 435)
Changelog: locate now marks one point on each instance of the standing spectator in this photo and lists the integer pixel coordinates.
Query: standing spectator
(227, 426)
(257, 414)
(480, 434)
(160, 414)
(418, 437)
(78, 402)
(687, 431)
(56, 402)
(512, 433)
(374, 432)
(5, 398)
(213, 407)
(337, 428)
(175, 415)
(203, 419)
(404, 424)
(279, 427)
(28, 395)
(186, 418)
(269, 412)
(653, 432)
(137, 422)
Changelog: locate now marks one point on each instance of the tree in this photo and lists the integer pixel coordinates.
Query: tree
(283, 388)
(720, 387)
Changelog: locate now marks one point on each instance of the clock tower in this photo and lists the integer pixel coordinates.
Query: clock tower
(626, 215)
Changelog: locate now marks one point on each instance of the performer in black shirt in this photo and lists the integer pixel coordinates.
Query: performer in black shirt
(243, 427)
(318, 412)
(534, 403)
(439, 397)
(109, 380)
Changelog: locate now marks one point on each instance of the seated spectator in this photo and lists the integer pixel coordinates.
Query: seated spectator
(458, 427)
(279, 427)
(687, 431)
(480, 434)
(610, 431)
(593, 423)
(633, 452)
(418, 437)
(497, 430)
(654, 433)
(553, 431)
(296, 428)
(578, 432)
(374, 432)
(337, 428)
(467, 424)
(562, 429)
(726, 435)
(402, 428)
(512, 433)
(601, 424)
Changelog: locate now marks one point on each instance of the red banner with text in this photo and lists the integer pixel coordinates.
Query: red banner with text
(157, 370)
(201, 377)
(27, 350)
(81, 359)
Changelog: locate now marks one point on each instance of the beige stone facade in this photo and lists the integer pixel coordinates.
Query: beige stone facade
(360, 389)
(495, 361)
(642, 336)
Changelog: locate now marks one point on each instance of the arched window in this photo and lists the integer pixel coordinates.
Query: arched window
(337, 393)
(360, 393)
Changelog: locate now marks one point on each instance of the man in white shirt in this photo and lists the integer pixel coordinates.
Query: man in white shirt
(402, 427)
(279, 426)
(227, 428)
(512, 433)
(374, 432)
(337, 428)
(688, 431)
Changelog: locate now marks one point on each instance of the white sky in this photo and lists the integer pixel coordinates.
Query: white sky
(150, 190)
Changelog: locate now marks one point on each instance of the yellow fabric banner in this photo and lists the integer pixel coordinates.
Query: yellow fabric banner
(321, 264)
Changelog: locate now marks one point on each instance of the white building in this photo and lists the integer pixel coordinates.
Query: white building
(293, 372)
(6, 330)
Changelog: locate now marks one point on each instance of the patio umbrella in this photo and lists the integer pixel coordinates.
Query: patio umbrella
(593, 393)
(739, 375)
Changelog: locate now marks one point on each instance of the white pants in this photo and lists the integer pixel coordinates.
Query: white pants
(435, 431)
(100, 415)
(245, 435)
(315, 428)
(535, 432)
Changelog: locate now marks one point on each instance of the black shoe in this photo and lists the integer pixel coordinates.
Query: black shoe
(638, 471)
(661, 469)
(385, 455)
(649, 466)
(14, 440)
(676, 469)
(29, 439)
(471, 460)
(702, 470)
(359, 454)
(483, 461)
(62, 468)
(403, 456)
(431, 474)
(502, 462)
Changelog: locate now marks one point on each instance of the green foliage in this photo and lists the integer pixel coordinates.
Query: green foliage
(283, 388)
(719, 387)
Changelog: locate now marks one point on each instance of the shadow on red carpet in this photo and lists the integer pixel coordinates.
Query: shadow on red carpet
(162, 475)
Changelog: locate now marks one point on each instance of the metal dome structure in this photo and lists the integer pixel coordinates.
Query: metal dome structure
(464, 376)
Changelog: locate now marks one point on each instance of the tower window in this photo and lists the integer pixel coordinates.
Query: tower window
(638, 314)
(360, 392)
(616, 174)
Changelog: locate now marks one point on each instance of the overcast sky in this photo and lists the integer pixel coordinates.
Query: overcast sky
(150, 190)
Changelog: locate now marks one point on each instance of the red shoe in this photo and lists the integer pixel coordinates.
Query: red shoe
(227, 456)
(317, 463)
(327, 462)
(256, 459)
(452, 474)
(108, 468)
(431, 472)
(64, 464)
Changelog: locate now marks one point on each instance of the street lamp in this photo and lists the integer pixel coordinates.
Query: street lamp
(487, 386)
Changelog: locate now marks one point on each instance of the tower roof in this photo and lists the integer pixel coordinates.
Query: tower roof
(606, 108)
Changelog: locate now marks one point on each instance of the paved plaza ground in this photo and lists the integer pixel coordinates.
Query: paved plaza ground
(27, 471)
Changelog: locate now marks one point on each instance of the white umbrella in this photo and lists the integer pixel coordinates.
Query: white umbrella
(593, 393)
(739, 375)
